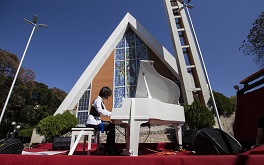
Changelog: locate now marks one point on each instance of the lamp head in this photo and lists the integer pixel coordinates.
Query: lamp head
(35, 18)
(43, 25)
(27, 21)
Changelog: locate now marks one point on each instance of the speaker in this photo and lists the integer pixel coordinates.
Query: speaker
(215, 142)
(61, 143)
(187, 138)
(11, 146)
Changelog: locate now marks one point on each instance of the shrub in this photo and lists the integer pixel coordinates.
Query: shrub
(198, 116)
(25, 134)
(57, 125)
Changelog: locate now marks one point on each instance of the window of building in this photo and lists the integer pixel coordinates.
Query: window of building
(83, 106)
(128, 53)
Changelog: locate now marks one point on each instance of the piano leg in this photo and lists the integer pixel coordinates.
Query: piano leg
(178, 133)
(134, 137)
(127, 141)
(134, 123)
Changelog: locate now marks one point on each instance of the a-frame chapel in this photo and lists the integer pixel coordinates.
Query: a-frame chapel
(116, 66)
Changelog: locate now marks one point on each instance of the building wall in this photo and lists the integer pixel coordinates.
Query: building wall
(159, 65)
(104, 78)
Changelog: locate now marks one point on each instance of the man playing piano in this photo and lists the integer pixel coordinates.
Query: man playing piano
(94, 120)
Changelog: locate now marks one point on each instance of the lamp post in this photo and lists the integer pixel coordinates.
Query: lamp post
(16, 127)
(35, 27)
(187, 5)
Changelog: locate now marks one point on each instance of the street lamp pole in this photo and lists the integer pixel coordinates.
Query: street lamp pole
(35, 27)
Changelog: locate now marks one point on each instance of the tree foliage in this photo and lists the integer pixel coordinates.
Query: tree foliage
(225, 105)
(57, 125)
(25, 134)
(48, 127)
(254, 44)
(29, 102)
(198, 116)
(21, 91)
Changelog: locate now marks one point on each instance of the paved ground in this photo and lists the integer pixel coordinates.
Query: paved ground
(152, 135)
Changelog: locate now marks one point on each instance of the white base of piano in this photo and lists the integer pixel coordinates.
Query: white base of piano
(132, 127)
(133, 133)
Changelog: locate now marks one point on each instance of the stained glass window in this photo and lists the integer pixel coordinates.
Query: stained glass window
(128, 53)
(119, 93)
(121, 44)
(83, 106)
(120, 54)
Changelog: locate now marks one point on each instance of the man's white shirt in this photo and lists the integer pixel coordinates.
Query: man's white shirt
(98, 103)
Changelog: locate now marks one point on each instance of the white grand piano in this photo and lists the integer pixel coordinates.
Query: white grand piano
(156, 102)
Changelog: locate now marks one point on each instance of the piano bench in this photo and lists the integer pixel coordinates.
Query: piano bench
(83, 131)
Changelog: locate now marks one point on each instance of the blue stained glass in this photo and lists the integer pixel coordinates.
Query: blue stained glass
(141, 52)
(120, 54)
(130, 53)
(120, 73)
(130, 38)
(131, 91)
(139, 42)
(138, 65)
(119, 94)
(131, 72)
(121, 44)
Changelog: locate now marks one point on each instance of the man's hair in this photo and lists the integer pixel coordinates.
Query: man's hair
(105, 92)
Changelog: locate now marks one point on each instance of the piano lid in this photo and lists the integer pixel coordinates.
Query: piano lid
(152, 85)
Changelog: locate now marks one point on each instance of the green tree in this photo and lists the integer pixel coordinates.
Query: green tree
(25, 134)
(56, 97)
(233, 101)
(30, 101)
(48, 127)
(57, 125)
(198, 116)
(46, 100)
(254, 44)
(21, 91)
(224, 104)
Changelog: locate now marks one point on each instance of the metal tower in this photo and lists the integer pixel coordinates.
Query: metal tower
(193, 81)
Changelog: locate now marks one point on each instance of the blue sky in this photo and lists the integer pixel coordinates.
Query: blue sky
(77, 30)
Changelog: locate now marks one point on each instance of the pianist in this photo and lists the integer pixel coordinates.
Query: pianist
(94, 120)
